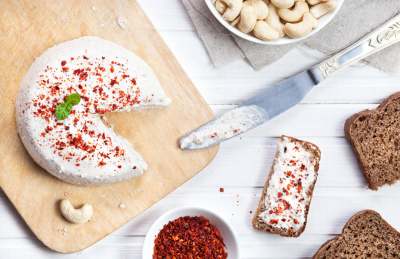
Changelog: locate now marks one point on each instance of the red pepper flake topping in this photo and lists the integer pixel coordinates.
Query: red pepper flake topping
(286, 205)
(295, 221)
(81, 73)
(119, 151)
(113, 82)
(60, 145)
(273, 221)
(54, 90)
(214, 135)
(63, 63)
(189, 237)
(78, 71)
(285, 191)
(78, 142)
(102, 163)
(299, 186)
(48, 129)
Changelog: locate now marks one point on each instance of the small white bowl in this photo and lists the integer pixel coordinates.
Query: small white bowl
(227, 232)
(323, 21)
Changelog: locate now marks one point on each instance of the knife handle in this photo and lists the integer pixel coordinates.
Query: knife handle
(379, 39)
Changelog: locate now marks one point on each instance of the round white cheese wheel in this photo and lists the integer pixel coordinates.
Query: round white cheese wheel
(81, 149)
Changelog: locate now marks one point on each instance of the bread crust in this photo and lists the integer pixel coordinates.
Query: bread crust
(348, 134)
(318, 254)
(262, 226)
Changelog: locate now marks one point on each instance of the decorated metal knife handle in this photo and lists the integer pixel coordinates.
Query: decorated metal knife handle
(382, 37)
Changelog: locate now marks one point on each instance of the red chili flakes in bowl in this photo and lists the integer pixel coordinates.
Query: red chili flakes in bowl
(189, 237)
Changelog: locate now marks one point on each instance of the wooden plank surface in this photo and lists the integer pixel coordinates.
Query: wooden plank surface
(30, 27)
(241, 164)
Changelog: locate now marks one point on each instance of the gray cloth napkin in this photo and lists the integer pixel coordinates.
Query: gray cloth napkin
(355, 19)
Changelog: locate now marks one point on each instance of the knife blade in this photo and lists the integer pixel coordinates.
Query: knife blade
(253, 112)
(285, 94)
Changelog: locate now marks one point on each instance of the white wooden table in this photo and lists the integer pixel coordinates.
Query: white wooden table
(242, 164)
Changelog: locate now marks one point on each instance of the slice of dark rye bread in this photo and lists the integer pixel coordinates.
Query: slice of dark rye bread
(375, 138)
(257, 222)
(365, 235)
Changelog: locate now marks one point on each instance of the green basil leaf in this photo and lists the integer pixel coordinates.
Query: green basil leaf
(73, 99)
(63, 110)
(68, 106)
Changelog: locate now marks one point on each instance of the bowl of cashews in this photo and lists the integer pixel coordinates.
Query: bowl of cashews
(274, 22)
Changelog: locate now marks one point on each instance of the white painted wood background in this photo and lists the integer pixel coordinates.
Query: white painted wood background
(241, 164)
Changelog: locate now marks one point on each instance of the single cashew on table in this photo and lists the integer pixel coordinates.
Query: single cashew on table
(76, 216)
(270, 20)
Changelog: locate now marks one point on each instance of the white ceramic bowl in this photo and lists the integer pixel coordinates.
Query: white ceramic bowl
(323, 21)
(226, 231)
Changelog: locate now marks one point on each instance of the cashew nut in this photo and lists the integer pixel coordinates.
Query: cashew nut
(274, 21)
(283, 3)
(235, 22)
(296, 13)
(300, 29)
(76, 216)
(248, 19)
(260, 7)
(264, 31)
(314, 2)
(221, 7)
(232, 10)
(320, 10)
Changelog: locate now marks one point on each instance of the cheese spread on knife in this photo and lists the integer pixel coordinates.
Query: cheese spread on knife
(81, 148)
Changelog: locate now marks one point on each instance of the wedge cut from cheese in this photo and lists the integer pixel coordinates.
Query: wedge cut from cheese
(287, 194)
(82, 149)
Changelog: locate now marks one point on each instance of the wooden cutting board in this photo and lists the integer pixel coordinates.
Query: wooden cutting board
(27, 28)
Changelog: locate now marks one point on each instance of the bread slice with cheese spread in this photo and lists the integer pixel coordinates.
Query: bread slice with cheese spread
(287, 194)
(365, 235)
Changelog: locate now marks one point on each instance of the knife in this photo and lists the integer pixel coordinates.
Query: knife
(285, 94)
